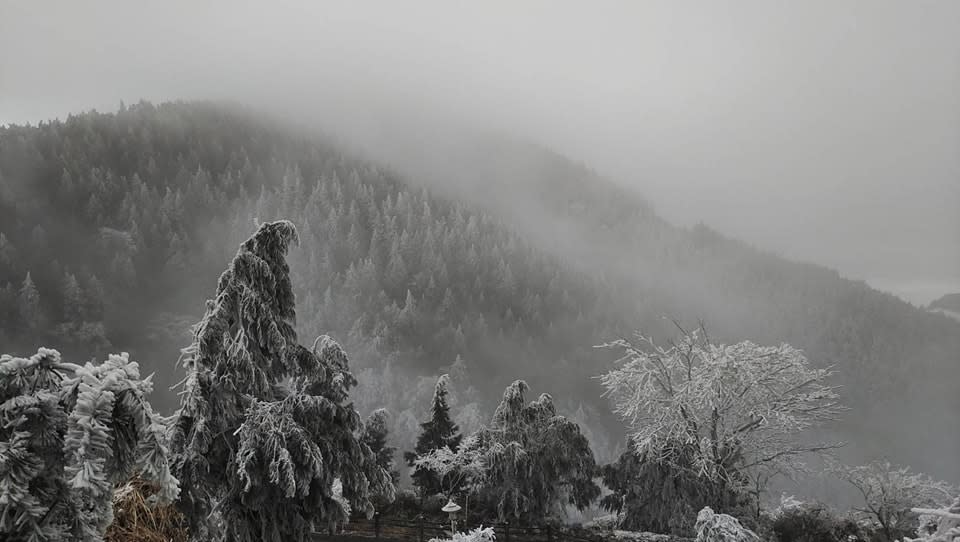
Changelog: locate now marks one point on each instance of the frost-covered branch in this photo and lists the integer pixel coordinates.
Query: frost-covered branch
(738, 406)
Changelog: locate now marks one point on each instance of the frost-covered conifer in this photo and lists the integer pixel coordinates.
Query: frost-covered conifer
(537, 461)
(374, 435)
(68, 433)
(437, 432)
(29, 299)
(264, 427)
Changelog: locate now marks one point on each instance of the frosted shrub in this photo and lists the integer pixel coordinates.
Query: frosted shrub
(480, 534)
(713, 527)
(938, 524)
(68, 434)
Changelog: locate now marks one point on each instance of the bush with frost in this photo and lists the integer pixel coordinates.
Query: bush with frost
(68, 434)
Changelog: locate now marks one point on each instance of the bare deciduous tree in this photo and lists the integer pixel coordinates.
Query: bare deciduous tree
(737, 408)
(889, 492)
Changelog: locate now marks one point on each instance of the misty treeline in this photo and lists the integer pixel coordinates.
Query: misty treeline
(120, 219)
(267, 446)
(113, 225)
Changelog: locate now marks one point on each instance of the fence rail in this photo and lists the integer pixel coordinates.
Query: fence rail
(398, 530)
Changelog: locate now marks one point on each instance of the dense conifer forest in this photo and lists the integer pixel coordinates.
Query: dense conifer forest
(113, 226)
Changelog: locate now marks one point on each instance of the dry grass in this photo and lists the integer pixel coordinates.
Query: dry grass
(136, 519)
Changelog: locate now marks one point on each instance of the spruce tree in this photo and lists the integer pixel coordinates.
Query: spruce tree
(437, 432)
(374, 435)
(264, 430)
(29, 303)
(72, 299)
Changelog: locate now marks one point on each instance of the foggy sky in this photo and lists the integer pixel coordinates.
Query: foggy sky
(825, 131)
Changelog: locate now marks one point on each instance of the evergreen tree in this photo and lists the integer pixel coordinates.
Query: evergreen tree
(72, 299)
(8, 253)
(648, 494)
(29, 303)
(374, 435)
(536, 460)
(264, 430)
(438, 432)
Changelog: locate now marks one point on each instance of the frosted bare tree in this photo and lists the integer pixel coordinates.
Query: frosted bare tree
(461, 470)
(728, 412)
(889, 492)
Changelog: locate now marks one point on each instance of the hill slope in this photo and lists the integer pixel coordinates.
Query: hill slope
(124, 221)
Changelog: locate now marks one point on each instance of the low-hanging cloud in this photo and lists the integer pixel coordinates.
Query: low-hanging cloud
(827, 132)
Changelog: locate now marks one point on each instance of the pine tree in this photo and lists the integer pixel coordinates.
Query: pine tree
(437, 432)
(264, 429)
(8, 253)
(374, 435)
(72, 299)
(29, 303)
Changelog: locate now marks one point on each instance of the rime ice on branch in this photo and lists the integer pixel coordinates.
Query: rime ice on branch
(264, 429)
(68, 434)
(736, 408)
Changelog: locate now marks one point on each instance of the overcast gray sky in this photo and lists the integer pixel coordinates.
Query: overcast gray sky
(828, 131)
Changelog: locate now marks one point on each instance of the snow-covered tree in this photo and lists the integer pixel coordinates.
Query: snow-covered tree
(264, 428)
(938, 524)
(436, 433)
(536, 460)
(889, 493)
(68, 434)
(729, 412)
(460, 471)
(713, 527)
(374, 435)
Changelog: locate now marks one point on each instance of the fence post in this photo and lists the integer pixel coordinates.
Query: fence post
(376, 525)
(549, 533)
(420, 538)
(506, 528)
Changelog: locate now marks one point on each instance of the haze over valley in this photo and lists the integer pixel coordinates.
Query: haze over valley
(473, 203)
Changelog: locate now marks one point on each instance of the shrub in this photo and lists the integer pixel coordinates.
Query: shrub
(713, 527)
(480, 534)
(811, 522)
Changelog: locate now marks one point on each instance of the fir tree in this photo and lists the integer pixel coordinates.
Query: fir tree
(264, 429)
(438, 432)
(29, 303)
(374, 435)
(72, 299)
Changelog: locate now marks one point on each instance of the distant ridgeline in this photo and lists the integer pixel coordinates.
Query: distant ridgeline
(113, 226)
(949, 302)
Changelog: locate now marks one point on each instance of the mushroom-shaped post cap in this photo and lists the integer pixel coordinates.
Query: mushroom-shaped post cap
(450, 507)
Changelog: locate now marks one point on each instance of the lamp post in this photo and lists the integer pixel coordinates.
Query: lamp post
(451, 508)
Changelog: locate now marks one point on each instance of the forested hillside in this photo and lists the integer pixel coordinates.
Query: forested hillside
(112, 225)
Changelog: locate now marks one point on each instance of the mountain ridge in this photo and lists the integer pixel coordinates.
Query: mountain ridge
(541, 262)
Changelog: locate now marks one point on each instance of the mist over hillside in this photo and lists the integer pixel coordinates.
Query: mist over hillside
(515, 268)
